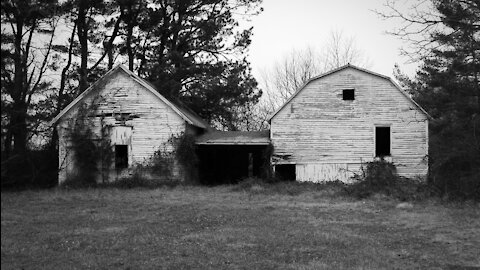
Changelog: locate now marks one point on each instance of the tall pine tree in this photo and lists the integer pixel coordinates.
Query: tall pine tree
(194, 53)
(447, 86)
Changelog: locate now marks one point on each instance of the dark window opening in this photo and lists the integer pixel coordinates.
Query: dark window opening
(348, 94)
(121, 156)
(382, 141)
(285, 172)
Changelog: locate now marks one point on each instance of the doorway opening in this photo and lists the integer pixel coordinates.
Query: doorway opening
(285, 172)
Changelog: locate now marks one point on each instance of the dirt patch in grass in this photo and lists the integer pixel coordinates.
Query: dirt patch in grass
(225, 227)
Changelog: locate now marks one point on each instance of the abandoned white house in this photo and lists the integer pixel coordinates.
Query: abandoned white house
(139, 121)
(324, 132)
(346, 117)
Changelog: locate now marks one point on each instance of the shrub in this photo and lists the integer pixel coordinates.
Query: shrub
(456, 179)
(35, 169)
(185, 152)
(79, 180)
(380, 177)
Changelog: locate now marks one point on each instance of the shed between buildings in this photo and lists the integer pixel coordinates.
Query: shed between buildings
(230, 156)
(344, 118)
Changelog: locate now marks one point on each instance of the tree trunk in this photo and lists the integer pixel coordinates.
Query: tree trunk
(83, 40)
(18, 119)
(129, 47)
(19, 129)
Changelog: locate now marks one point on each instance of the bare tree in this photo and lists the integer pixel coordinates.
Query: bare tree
(341, 50)
(298, 66)
(293, 71)
(417, 21)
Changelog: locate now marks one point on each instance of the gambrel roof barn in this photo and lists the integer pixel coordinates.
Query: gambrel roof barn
(346, 117)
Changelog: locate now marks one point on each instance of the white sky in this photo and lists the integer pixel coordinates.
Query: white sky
(285, 25)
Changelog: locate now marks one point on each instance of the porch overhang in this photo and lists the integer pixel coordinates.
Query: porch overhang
(234, 138)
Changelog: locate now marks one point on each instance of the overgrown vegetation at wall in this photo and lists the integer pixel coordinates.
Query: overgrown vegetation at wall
(159, 170)
(380, 177)
(186, 155)
(91, 152)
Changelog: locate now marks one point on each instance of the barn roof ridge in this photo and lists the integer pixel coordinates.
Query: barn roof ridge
(348, 65)
(188, 115)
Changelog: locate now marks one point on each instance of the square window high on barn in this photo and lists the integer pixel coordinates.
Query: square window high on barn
(121, 156)
(348, 94)
(382, 141)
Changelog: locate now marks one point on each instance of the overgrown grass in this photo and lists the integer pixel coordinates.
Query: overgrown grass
(292, 188)
(225, 227)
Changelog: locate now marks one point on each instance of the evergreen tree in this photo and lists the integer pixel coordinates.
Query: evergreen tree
(193, 53)
(24, 62)
(447, 86)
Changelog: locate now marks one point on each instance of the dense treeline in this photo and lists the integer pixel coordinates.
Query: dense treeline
(447, 86)
(193, 51)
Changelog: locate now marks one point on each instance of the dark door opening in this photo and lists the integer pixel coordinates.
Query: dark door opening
(121, 156)
(285, 172)
(382, 141)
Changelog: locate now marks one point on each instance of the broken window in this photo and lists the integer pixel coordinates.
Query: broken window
(348, 94)
(285, 172)
(121, 156)
(382, 141)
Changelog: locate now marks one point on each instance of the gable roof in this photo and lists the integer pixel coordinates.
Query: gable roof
(359, 69)
(188, 115)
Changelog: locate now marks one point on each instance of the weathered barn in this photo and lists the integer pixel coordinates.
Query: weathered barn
(136, 119)
(346, 117)
(324, 132)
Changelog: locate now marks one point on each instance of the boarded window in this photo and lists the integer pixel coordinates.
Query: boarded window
(121, 156)
(348, 94)
(285, 172)
(382, 141)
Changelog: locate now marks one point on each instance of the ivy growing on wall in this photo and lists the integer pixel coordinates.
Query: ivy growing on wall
(91, 152)
(178, 151)
(186, 155)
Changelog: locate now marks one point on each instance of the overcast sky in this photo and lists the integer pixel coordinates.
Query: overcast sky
(285, 25)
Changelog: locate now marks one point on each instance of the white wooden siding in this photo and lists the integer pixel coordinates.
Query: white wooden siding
(319, 127)
(154, 122)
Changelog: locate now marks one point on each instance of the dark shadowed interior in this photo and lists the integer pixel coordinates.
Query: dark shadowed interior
(228, 164)
(227, 157)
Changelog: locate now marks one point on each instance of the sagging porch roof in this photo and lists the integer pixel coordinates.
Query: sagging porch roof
(234, 138)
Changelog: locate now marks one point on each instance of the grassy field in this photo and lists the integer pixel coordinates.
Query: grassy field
(229, 227)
